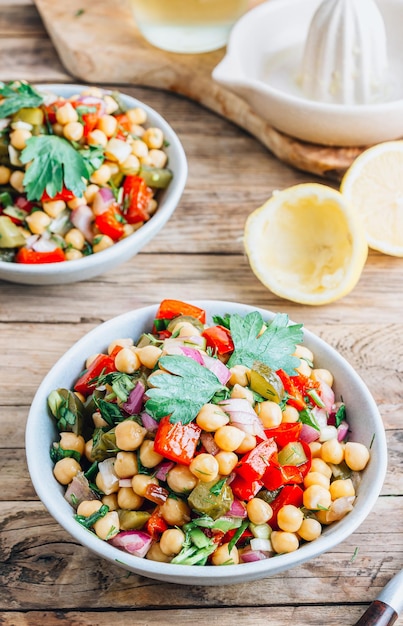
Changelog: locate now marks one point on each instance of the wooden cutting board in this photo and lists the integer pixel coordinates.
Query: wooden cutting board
(98, 42)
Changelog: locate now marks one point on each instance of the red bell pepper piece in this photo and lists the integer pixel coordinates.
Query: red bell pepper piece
(65, 194)
(253, 465)
(245, 489)
(136, 198)
(124, 122)
(155, 525)
(168, 309)
(88, 113)
(285, 432)
(177, 442)
(111, 222)
(296, 397)
(289, 494)
(102, 364)
(277, 475)
(24, 255)
(219, 339)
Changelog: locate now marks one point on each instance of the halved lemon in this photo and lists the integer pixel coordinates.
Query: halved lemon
(306, 244)
(374, 186)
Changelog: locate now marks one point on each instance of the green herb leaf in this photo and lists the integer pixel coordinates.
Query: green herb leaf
(307, 417)
(217, 487)
(89, 521)
(340, 415)
(18, 95)
(181, 396)
(54, 163)
(93, 157)
(109, 411)
(274, 346)
(121, 383)
(57, 453)
(238, 534)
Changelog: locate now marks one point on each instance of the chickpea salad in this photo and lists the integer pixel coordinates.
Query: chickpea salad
(201, 444)
(77, 174)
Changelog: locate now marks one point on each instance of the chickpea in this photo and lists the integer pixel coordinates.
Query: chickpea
(156, 554)
(111, 501)
(356, 455)
(139, 148)
(17, 180)
(148, 457)
(53, 208)
(98, 420)
(129, 435)
(270, 413)
(72, 254)
(316, 497)
(5, 174)
(128, 499)
(304, 368)
(210, 418)
(316, 478)
(126, 464)
(226, 462)
(229, 438)
(284, 542)
(341, 489)
(88, 507)
(290, 414)
(245, 393)
(310, 529)
(302, 352)
(140, 483)
(71, 441)
(149, 355)
(248, 443)
(185, 329)
(73, 131)
(290, 518)
(318, 465)
(175, 512)
(108, 526)
(66, 114)
(239, 375)
(102, 242)
(315, 447)
(130, 166)
(75, 238)
(89, 193)
(38, 221)
(75, 203)
(259, 511)
(171, 541)
(101, 176)
(127, 361)
(155, 158)
(332, 451)
(88, 451)
(319, 375)
(80, 396)
(107, 124)
(137, 115)
(205, 467)
(153, 137)
(222, 556)
(129, 229)
(109, 488)
(181, 480)
(97, 138)
(111, 104)
(65, 470)
(19, 138)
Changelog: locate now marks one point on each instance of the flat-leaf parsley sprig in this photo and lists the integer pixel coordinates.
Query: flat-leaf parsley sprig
(18, 95)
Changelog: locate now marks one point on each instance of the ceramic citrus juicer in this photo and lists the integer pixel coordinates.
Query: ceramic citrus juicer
(324, 71)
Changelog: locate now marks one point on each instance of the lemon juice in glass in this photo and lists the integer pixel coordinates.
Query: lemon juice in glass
(188, 26)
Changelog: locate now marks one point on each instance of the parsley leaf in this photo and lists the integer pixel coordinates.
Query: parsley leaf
(109, 411)
(93, 157)
(181, 396)
(54, 162)
(18, 95)
(274, 346)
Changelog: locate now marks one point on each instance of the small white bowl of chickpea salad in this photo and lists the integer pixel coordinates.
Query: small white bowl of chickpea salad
(276, 455)
(88, 176)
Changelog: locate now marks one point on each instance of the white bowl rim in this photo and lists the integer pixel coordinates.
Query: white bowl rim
(205, 575)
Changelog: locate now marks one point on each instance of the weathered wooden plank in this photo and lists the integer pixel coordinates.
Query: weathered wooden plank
(15, 22)
(30, 59)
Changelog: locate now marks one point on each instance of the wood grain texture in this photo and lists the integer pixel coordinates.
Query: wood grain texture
(47, 578)
(100, 43)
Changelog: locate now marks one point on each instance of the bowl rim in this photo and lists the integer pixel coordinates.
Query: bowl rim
(205, 575)
(146, 232)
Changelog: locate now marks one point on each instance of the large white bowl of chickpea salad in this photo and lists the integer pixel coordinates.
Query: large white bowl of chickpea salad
(232, 478)
(87, 178)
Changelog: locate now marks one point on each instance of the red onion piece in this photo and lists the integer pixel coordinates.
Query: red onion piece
(237, 509)
(327, 395)
(82, 218)
(217, 367)
(321, 416)
(309, 433)
(342, 430)
(243, 416)
(251, 556)
(133, 541)
(208, 442)
(192, 353)
(44, 244)
(91, 100)
(148, 422)
(102, 200)
(163, 469)
(30, 241)
(134, 402)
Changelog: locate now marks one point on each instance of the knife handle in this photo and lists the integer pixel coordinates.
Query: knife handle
(378, 614)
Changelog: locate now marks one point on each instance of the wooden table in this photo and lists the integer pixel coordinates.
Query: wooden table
(46, 578)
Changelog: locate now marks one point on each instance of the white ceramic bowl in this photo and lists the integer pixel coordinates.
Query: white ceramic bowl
(363, 416)
(101, 262)
(262, 63)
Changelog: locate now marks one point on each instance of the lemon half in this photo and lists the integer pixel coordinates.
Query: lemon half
(306, 244)
(374, 186)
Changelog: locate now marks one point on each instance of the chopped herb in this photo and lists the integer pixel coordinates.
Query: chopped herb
(217, 487)
(354, 555)
(121, 383)
(340, 415)
(307, 417)
(91, 471)
(93, 157)
(181, 393)
(372, 441)
(57, 453)
(273, 347)
(89, 521)
(79, 12)
(110, 411)
(238, 534)
(18, 95)
(73, 499)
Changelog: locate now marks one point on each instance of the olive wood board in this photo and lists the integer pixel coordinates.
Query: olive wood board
(99, 43)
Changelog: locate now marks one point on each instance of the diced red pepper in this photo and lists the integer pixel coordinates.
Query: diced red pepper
(111, 222)
(24, 255)
(277, 475)
(296, 397)
(245, 489)
(136, 198)
(285, 432)
(156, 524)
(102, 364)
(65, 194)
(219, 339)
(116, 351)
(253, 465)
(289, 494)
(124, 122)
(89, 114)
(168, 309)
(177, 442)
(247, 534)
